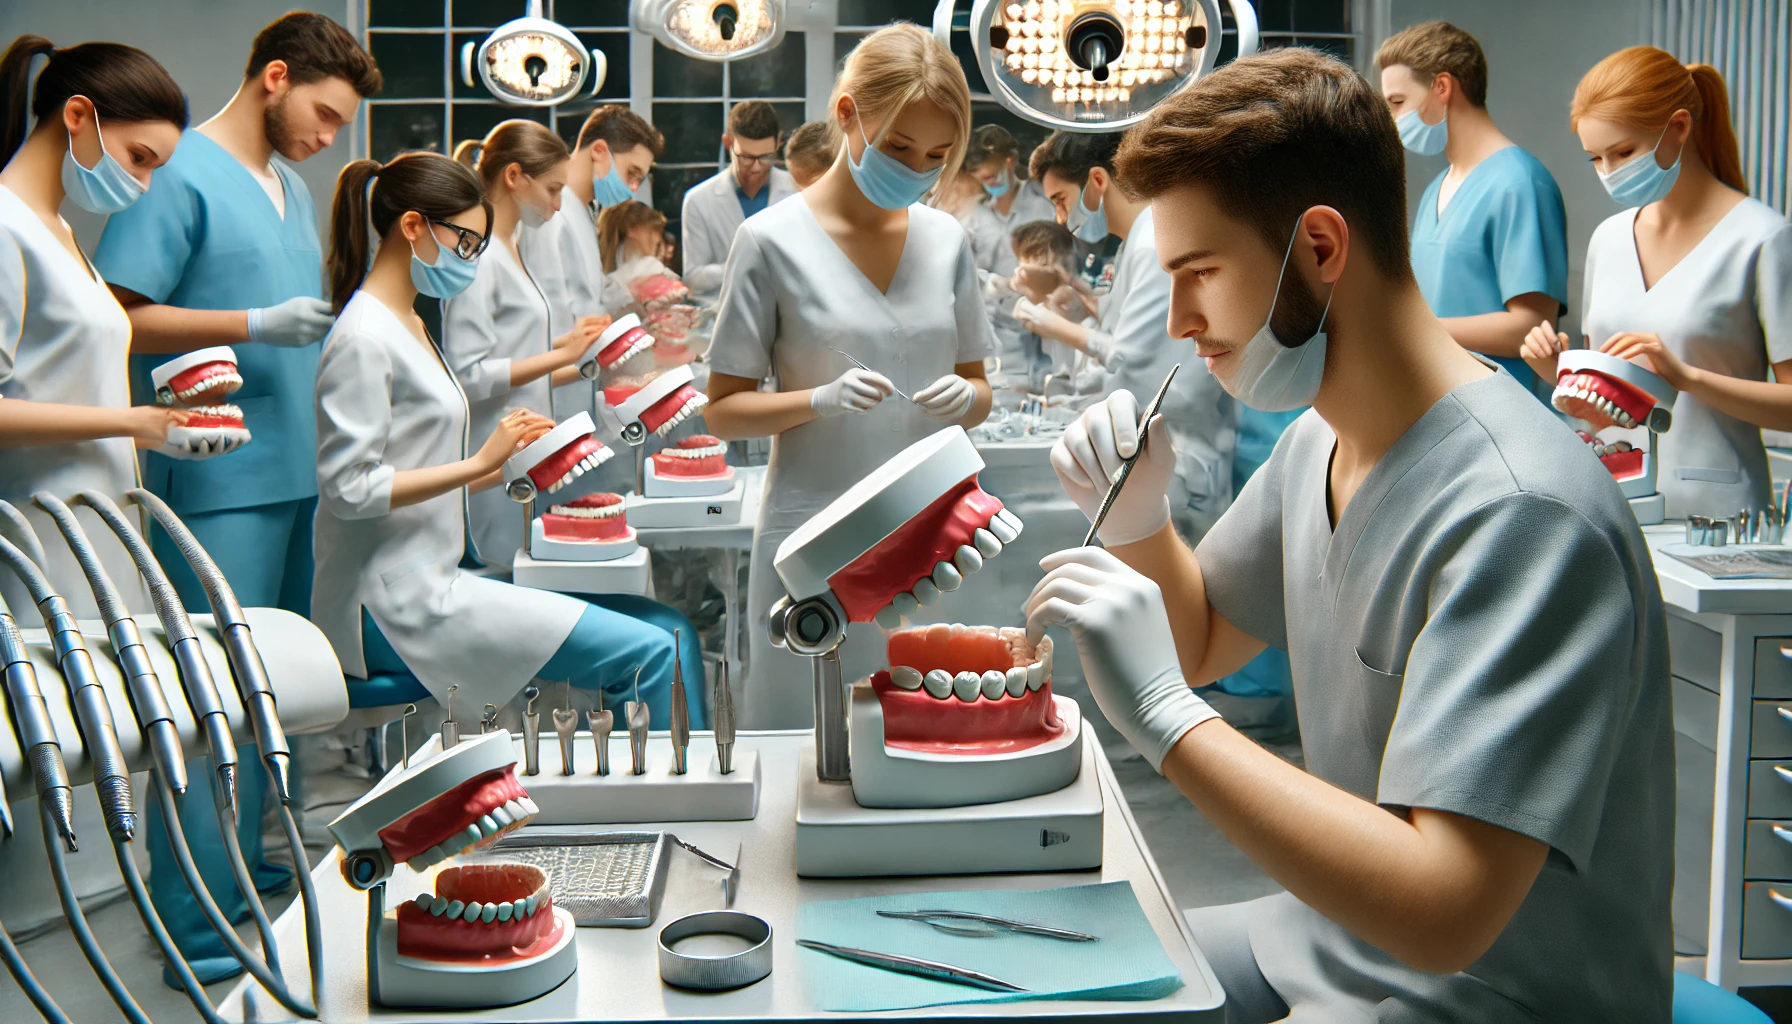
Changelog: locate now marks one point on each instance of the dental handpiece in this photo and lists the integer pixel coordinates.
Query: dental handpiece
(31, 716)
(246, 667)
(601, 722)
(183, 643)
(722, 717)
(681, 712)
(531, 731)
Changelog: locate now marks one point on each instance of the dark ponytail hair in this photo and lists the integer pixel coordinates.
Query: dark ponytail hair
(429, 183)
(125, 84)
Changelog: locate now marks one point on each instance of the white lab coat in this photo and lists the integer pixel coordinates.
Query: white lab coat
(386, 402)
(711, 217)
(502, 316)
(1134, 347)
(563, 257)
(1725, 307)
(991, 232)
(789, 293)
(63, 339)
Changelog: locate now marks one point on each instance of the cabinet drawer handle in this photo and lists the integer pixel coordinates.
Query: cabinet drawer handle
(1785, 712)
(1782, 831)
(1786, 652)
(1784, 901)
(1783, 772)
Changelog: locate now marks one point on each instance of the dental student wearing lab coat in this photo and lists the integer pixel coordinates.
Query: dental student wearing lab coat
(715, 207)
(1490, 237)
(498, 333)
(396, 461)
(1696, 277)
(855, 263)
(1483, 828)
(1006, 200)
(66, 420)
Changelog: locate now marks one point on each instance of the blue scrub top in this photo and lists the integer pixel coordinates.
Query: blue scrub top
(1503, 234)
(205, 236)
(749, 205)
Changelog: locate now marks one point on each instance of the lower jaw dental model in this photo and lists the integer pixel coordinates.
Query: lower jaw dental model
(199, 382)
(694, 466)
(593, 528)
(1611, 394)
(477, 935)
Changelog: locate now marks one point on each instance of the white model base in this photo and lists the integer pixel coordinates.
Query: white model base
(686, 487)
(630, 574)
(585, 798)
(709, 510)
(547, 549)
(836, 838)
(1649, 509)
(416, 983)
(886, 777)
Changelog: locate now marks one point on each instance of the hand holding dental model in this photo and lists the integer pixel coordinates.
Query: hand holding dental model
(1123, 637)
(1092, 451)
(1661, 359)
(517, 429)
(856, 390)
(298, 321)
(195, 386)
(947, 399)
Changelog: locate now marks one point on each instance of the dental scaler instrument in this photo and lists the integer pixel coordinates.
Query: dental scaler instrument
(489, 719)
(681, 712)
(722, 718)
(1107, 501)
(601, 722)
(531, 731)
(450, 728)
(639, 720)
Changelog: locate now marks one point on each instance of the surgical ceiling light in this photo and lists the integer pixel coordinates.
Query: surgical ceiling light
(533, 62)
(1093, 65)
(718, 30)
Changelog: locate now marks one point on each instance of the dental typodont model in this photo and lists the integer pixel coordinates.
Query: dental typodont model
(693, 466)
(482, 934)
(198, 382)
(654, 405)
(556, 458)
(1607, 392)
(623, 340)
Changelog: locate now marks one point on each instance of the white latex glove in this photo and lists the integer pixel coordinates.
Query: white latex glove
(1089, 456)
(948, 398)
(1128, 652)
(300, 320)
(1043, 321)
(855, 390)
(192, 443)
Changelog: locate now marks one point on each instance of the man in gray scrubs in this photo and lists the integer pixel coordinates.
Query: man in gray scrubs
(1483, 832)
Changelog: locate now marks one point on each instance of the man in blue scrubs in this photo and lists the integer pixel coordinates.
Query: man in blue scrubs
(224, 251)
(1490, 237)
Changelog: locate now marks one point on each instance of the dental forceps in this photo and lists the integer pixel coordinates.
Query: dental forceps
(983, 926)
(913, 965)
(854, 360)
(1107, 503)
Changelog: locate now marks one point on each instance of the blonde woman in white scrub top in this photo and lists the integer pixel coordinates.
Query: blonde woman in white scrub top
(1697, 281)
(853, 263)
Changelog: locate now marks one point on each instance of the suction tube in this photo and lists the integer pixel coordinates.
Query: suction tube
(28, 983)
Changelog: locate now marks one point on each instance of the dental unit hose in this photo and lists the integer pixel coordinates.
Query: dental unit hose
(28, 983)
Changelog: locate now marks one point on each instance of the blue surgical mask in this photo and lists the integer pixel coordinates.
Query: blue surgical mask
(106, 188)
(1421, 138)
(887, 181)
(447, 277)
(1272, 377)
(1640, 180)
(1090, 226)
(611, 190)
(1000, 190)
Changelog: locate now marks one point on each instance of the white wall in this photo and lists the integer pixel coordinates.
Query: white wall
(204, 45)
(1536, 51)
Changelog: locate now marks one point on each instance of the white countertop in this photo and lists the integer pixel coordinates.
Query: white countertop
(1691, 590)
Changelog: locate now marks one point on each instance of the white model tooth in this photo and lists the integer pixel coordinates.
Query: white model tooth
(488, 825)
(472, 834)
(906, 678)
(1036, 675)
(1016, 681)
(1014, 522)
(530, 905)
(946, 577)
(423, 901)
(1002, 531)
(967, 559)
(515, 810)
(438, 906)
(455, 909)
(489, 913)
(502, 817)
(905, 604)
(888, 617)
(472, 911)
(925, 592)
(938, 683)
(966, 686)
(954, 630)
(505, 910)
(987, 543)
(440, 852)
(529, 806)
(419, 862)
(993, 684)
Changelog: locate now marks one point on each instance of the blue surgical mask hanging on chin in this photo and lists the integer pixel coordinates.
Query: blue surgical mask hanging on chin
(997, 191)
(1271, 376)
(106, 188)
(1642, 180)
(1089, 226)
(886, 181)
(1421, 138)
(611, 190)
(447, 277)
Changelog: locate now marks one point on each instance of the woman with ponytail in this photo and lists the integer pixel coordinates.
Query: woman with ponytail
(102, 119)
(1695, 279)
(496, 334)
(396, 464)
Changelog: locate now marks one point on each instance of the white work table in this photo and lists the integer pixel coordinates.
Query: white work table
(618, 975)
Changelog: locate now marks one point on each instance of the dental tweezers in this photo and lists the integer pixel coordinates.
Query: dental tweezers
(913, 966)
(989, 925)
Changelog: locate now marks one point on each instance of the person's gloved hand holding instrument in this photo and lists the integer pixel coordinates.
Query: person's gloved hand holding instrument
(300, 320)
(856, 390)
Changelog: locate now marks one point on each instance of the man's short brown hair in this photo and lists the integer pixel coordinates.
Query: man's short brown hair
(621, 129)
(1042, 241)
(1438, 48)
(754, 119)
(313, 48)
(813, 146)
(1273, 135)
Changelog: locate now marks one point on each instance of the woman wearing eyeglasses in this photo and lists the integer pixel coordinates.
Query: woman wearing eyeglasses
(395, 464)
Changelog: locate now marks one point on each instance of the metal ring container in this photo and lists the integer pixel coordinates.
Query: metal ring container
(733, 970)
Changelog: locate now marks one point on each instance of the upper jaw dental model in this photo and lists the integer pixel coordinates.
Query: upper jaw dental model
(654, 405)
(623, 340)
(1608, 392)
(480, 934)
(199, 382)
(556, 458)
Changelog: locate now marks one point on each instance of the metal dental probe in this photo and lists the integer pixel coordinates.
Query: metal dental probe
(854, 360)
(600, 722)
(1107, 502)
(566, 724)
(913, 965)
(489, 719)
(450, 728)
(531, 731)
(404, 736)
(722, 717)
(681, 712)
(639, 720)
